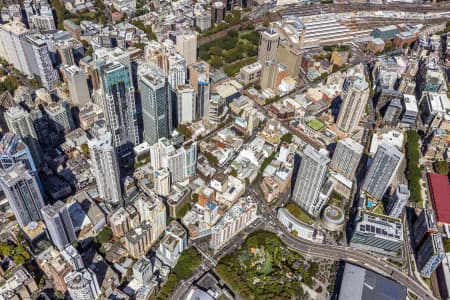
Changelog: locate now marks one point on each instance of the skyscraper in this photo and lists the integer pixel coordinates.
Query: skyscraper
(383, 169)
(12, 47)
(186, 44)
(60, 116)
(310, 177)
(82, 285)
(154, 90)
(118, 100)
(346, 157)
(428, 243)
(430, 254)
(19, 121)
(13, 150)
(185, 104)
(59, 225)
(78, 86)
(268, 44)
(199, 79)
(398, 201)
(106, 168)
(22, 191)
(39, 61)
(353, 105)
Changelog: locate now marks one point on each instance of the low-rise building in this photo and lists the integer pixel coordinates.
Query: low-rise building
(378, 233)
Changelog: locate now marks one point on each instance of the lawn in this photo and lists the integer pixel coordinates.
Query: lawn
(297, 212)
(316, 124)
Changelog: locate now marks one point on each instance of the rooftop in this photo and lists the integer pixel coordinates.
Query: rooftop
(359, 283)
(439, 190)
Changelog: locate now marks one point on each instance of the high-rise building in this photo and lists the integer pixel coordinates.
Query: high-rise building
(382, 171)
(217, 109)
(268, 44)
(82, 285)
(218, 11)
(199, 79)
(239, 216)
(118, 99)
(310, 177)
(59, 225)
(181, 162)
(430, 254)
(154, 90)
(74, 258)
(13, 150)
(427, 243)
(353, 105)
(424, 225)
(190, 158)
(185, 104)
(12, 46)
(346, 157)
(398, 201)
(23, 194)
(186, 44)
(393, 112)
(38, 56)
(60, 116)
(162, 182)
(78, 85)
(19, 121)
(377, 233)
(106, 168)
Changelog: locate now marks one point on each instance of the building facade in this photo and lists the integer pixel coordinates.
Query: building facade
(106, 168)
(310, 177)
(23, 193)
(346, 157)
(384, 167)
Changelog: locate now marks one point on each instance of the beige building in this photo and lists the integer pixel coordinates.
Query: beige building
(139, 241)
(251, 73)
(197, 72)
(290, 56)
(142, 221)
(55, 267)
(186, 45)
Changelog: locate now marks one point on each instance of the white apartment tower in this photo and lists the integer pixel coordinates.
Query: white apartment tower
(23, 194)
(310, 177)
(78, 85)
(382, 170)
(185, 103)
(106, 168)
(346, 157)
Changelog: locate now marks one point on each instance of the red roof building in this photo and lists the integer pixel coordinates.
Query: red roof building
(440, 196)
